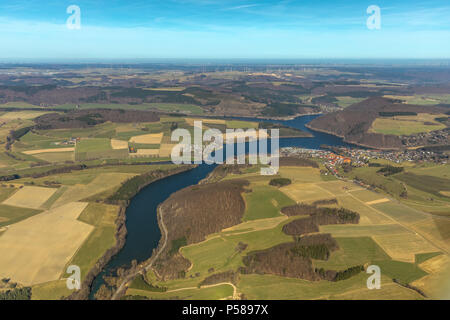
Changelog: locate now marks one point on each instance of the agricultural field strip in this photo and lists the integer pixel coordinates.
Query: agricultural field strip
(207, 286)
(378, 201)
(255, 225)
(236, 232)
(35, 245)
(390, 284)
(151, 138)
(30, 197)
(32, 152)
(414, 231)
(119, 144)
(408, 227)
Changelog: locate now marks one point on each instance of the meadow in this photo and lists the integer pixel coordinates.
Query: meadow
(63, 215)
(386, 236)
(42, 244)
(102, 217)
(407, 125)
(424, 99)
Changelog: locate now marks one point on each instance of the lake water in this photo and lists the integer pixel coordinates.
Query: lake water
(141, 220)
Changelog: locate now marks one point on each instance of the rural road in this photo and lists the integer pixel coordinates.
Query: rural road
(235, 295)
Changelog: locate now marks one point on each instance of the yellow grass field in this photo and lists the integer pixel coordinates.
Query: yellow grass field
(165, 150)
(388, 291)
(151, 138)
(119, 144)
(300, 174)
(405, 246)
(253, 225)
(56, 156)
(305, 192)
(101, 183)
(244, 135)
(24, 115)
(339, 187)
(126, 127)
(368, 214)
(190, 121)
(36, 250)
(435, 229)
(30, 197)
(145, 153)
(437, 283)
(367, 195)
(378, 201)
(31, 152)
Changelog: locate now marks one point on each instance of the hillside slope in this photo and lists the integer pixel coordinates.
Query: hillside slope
(354, 122)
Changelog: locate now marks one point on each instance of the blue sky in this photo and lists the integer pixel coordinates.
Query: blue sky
(224, 29)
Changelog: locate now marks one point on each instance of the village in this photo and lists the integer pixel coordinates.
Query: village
(343, 156)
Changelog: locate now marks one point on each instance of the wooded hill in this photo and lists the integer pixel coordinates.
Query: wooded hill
(354, 122)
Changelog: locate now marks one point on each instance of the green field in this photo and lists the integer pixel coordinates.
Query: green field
(422, 257)
(237, 124)
(10, 215)
(33, 141)
(424, 99)
(265, 202)
(220, 252)
(100, 240)
(344, 102)
(93, 145)
(53, 290)
(95, 148)
(363, 230)
(167, 107)
(260, 287)
(402, 271)
(400, 212)
(210, 293)
(181, 108)
(352, 252)
(370, 176)
(427, 183)
(407, 125)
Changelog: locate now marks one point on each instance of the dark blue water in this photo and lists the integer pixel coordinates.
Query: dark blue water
(308, 143)
(142, 225)
(141, 220)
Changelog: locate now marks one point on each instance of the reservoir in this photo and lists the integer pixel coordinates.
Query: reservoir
(141, 220)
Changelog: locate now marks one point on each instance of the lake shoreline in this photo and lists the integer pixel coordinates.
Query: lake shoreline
(120, 235)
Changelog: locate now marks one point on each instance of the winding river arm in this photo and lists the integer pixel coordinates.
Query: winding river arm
(124, 285)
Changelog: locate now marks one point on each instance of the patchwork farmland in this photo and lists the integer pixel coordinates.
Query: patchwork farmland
(384, 236)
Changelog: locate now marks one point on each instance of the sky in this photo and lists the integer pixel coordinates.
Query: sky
(224, 29)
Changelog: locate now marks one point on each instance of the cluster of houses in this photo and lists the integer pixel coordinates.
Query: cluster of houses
(69, 142)
(361, 157)
(439, 137)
